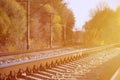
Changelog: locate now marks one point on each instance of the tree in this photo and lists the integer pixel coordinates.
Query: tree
(69, 26)
(118, 15)
(12, 24)
(46, 13)
(102, 28)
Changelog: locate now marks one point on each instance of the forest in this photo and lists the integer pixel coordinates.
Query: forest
(51, 25)
(49, 20)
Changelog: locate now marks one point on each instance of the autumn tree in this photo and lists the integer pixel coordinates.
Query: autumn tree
(118, 15)
(46, 17)
(69, 27)
(46, 14)
(67, 19)
(102, 28)
(12, 24)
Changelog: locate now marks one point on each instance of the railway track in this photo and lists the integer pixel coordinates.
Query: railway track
(68, 66)
(81, 69)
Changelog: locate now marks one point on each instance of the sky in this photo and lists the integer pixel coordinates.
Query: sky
(82, 8)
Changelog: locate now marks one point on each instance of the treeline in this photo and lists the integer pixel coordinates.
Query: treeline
(12, 25)
(46, 17)
(104, 27)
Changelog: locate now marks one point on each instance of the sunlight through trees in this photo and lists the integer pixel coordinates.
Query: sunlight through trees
(103, 28)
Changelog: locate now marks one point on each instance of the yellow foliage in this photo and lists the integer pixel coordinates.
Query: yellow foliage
(118, 16)
(56, 19)
(11, 48)
(102, 43)
(49, 8)
(12, 23)
(31, 41)
(4, 22)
